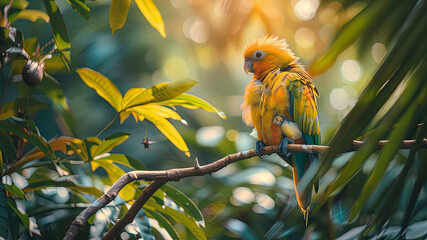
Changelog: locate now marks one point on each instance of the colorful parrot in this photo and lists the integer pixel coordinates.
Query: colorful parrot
(280, 102)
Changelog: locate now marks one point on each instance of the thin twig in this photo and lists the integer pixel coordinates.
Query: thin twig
(178, 173)
(108, 125)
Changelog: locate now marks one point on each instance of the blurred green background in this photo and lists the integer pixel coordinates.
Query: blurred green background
(205, 41)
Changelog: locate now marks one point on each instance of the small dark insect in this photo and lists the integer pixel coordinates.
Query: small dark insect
(147, 143)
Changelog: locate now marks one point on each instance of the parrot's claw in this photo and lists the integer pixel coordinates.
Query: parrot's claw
(283, 148)
(259, 146)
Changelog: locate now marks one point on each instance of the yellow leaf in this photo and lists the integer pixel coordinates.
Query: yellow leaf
(192, 102)
(165, 127)
(118, 13)
(57, 144)
(123, 116)
(156, 93)
(159, 110)
(114, 172)
(152, 14)
(103, 86)
(32, 15)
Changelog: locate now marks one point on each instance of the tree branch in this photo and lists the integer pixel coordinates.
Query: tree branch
(134, 209)
(159, 178)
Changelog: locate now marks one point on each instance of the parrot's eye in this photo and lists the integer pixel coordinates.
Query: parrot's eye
(258, 55)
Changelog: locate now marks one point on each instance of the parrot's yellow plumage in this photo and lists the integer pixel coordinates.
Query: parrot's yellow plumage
(280, 102)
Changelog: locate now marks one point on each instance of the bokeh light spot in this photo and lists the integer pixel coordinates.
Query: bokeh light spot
(265, 201)
(339, 98)
(210, 136)
(351, 70)
(262, 177)
(232, 135)
(305, 37)
(306, 9)
(378, 52)
(243, 195)
(199, 31)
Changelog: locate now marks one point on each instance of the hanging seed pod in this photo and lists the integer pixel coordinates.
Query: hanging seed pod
(32, 73)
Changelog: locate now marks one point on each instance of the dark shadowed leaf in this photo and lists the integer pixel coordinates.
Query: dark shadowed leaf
(19, 105)
(37, 185)
(24, 218)
(180, 217)
(15, 190)
(163, 222)
(26, 129)
(80, 7)
(185, 202)
(4, 219)
(348, 34)
(59, 30)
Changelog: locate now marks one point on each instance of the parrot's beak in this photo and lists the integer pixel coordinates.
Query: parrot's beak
(248, 66)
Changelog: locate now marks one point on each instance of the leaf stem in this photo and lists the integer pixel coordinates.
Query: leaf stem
(108, 125)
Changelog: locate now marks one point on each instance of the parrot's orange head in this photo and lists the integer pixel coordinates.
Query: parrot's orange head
(266, 54)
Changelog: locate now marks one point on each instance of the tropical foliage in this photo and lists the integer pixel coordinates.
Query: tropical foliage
(370, 193)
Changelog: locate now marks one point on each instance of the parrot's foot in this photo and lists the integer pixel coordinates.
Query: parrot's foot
(259, 146)
(283, 149)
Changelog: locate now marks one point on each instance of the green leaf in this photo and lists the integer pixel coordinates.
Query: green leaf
(59, 30)
(11, 109)
(354, 165)
(18, 4)
(348, 34)
(156, 93)
(31, 15)
(81, 8)
(123, 159)
(391, 72)
(144, 227)
(4, 218)
(421, 178)
(118, 13)
(188, 222)
(15, 190)
(1, 163)
(7, 147)
(103, 86)
(166, 128)
(48, 182)
(31, 134)
(24, 218)
(152, 14)
(185, 202)
(54, 91)
(406, 124)
(192, 102)
(114, 173)
(10, 38)
(90, 146)
(111, 142)
(163, 222)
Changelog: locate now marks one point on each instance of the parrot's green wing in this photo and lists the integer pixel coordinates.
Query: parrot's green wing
(303, 109)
